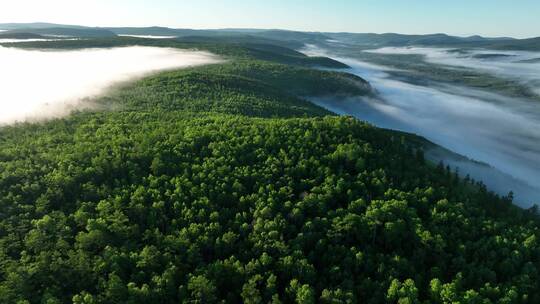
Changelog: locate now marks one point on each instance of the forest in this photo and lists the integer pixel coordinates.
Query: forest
(237, 47)
(221, 184)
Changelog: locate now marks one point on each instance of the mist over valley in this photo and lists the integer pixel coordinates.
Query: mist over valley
(523, 66)
(497, 130)
(40, 84)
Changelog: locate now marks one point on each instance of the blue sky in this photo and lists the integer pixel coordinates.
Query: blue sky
(518, 18)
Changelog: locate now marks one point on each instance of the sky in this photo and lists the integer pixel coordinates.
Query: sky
(515, 18)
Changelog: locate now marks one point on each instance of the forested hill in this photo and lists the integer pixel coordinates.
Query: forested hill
(219, 184)
(233, 47)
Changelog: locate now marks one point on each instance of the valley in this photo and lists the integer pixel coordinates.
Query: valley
(265, 166)
(482, 125)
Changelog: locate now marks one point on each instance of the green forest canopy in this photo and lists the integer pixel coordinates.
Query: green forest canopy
(220, 184)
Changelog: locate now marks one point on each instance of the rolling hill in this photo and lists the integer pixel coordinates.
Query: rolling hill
(221, 183)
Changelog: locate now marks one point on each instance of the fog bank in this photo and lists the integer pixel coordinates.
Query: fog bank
(523, 66)
(500, 131)
(39, 84)
(148, 36)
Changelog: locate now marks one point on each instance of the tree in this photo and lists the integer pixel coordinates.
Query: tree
(201, 290)
(403, 293)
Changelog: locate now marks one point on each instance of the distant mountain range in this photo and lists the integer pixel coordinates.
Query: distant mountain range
(274, 35)
(37, 25)
(392, 39)
(51, 29)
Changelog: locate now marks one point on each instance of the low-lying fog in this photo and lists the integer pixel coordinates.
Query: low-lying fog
(2, 40)
(148, 36)
(500, 131)
(40, 84)
(518, 65)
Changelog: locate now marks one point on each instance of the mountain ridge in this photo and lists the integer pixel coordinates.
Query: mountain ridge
(372, 39)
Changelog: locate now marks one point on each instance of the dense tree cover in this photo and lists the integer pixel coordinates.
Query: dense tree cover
(218, 184)
(278, 54)
(233, 47)
(253, 88)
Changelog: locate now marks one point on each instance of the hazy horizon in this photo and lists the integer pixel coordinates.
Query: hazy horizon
(458, 18)
(269, 29)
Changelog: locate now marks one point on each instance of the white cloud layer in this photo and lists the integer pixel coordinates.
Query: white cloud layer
(41, 84)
